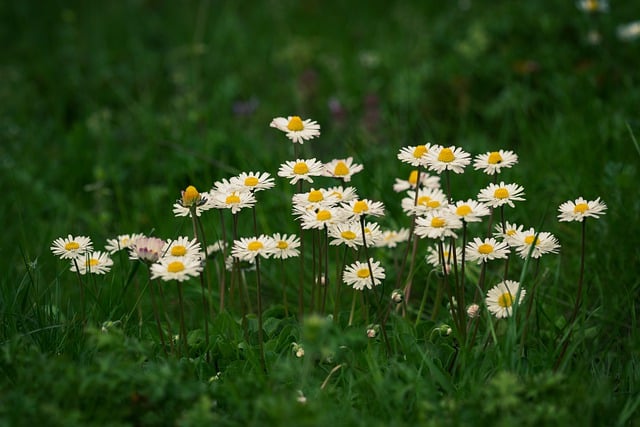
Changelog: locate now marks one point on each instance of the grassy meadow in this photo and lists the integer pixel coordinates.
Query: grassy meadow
(110, 110)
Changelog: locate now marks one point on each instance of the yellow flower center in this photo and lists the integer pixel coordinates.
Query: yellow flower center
(315, 196)
(413, 177)
(348, 235)
(282, 244)
(175, 267)
(337, 195)
(295, 124)
(485, 249)
(92, 262)
(190, 196)
(360, 207)
(341, 169)
(446, 155)
(530, 239)
(591, 5)
(178, 250)
(72, 246)
(251, 181)
(437, 222)
(256, 245)
(463, 210)
(323, 215)
(505, 300)
(433, 204)
(419, 151)
(510, 232)
(581, 208)
(232, 199)
(300, 168)
(423, 200)
(363, 273)
(494, 158)
(501, 193)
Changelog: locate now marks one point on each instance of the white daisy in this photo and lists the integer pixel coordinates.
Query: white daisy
(592, 6)
(372, 233)
(296, 129)
(433, 256)
(94, 263)
(358, 208)
(426, 181)
(501, 194)
(123, 241)
(342, 168)
(148, 249)
(544, 243)
(191, 197)
(226, 197)
(71, 247)
(322, 218)
(493, 161)
(450, 158)
(343, 194)
(358, 276)
(483, 250)
(312, 200)
(580, 209)
(183, 247)
(428, 200)
(629, 31)
(252, 181)
(300, 169)
(469, 210)
(501, 298)
(347, 233)
(180, 269)
(509, 232)
(437, 225)
(415, 155)
(391, 238)
(286, 246)
(248, 248)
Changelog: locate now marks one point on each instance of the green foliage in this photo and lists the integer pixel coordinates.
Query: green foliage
(110, 109)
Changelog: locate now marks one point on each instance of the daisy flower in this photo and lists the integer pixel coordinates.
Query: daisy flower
(342, 168)
(343, 194)
(469, 210)
(312, 200)
(296, 129)
(509, 232)
(391, 238)
(493, 161)
(286, 246)
(225, 197)
(543, 243)
(592, 6)
(358, 208)
(217, 246)
(301, 170)
(580, 209)
(190, 197)
(180, 269)
(358, 276)
(183, 247)
(321, 218)
(372, 233)
(501, 194)
(450, 158)
(629, 31)
(483, 250)
(71, 247)
(248, 248)
(123, 241)
(94, 263)
(252, 181)
(428, 200)
(433, 256)
(501, 297)
(437, 225)
(415, 155)
(346, 233)
(426, 181)
(148, 249)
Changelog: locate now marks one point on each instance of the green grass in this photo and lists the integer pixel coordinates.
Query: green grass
(109, 110)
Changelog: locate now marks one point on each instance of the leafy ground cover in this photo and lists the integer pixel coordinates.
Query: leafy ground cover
(111, 109)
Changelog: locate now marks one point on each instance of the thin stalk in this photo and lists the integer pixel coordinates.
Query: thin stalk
(263, 363)
(183, 329)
